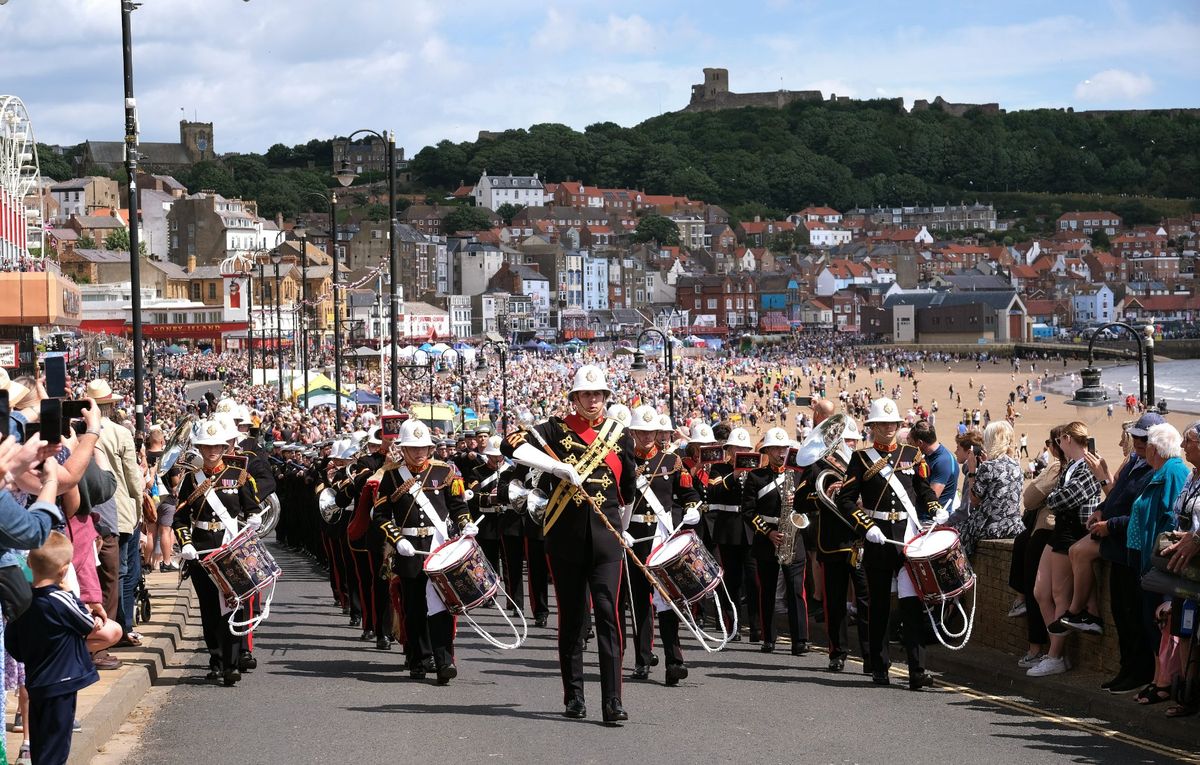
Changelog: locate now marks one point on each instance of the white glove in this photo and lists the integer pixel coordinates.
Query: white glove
(941, 516)
(531, 456)
(469, 529)
(629, 540)
(254, 521)
(405, 548)
(875, 535)
(691, 516)
(188, 552)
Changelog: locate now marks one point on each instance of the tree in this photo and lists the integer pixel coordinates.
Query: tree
(52, 164)
(466, 219)
(85, 242)
(1100, 240)
(118, 241)
(508, 211)
(787, 242)
(656, 228)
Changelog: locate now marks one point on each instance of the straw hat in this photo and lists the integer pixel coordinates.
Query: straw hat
(100, 390)
(16, 391)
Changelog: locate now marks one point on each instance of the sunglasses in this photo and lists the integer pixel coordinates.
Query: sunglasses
(1140, 438)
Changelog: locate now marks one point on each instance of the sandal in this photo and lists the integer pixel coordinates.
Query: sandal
(1182, 710)
(1153, 694)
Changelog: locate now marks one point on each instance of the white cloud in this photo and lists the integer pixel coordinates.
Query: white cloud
(621, 34)
(1114, 85)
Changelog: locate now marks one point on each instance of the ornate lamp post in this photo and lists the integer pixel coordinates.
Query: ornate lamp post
(276, 257)
(346, 176)
(1092, 393)
(639, 363)
(481, 365)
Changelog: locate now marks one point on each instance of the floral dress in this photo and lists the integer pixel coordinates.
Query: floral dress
(997, 514)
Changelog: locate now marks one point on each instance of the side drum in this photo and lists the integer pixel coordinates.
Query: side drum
(937, 565)
(686, 568)
(462, 574)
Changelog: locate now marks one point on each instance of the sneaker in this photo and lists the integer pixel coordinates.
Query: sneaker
(76, 726)
(18, 725)
(23, 758)
(1049, 666)
(1030, 660)
(1059, 625)
(1084, 622)
(1018, 609)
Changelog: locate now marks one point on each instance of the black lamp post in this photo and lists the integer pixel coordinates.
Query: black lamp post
(346, 176)
(1092, 393)
(480, 365)
(639, 363)
(301, 234)
(276, 257)
(131, 169)
(250, 322)
(262, 341)
(415, 370)
(462, 385)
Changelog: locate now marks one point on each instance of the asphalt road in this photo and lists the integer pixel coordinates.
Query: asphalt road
(321, 696)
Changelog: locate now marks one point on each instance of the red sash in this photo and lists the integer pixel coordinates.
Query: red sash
(584, 430)
(362, 512)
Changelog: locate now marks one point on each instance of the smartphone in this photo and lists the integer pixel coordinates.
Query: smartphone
(51, 420)
(4, 410)
(72, 410)
(1091, 444)
(803, 400)
(56, 376)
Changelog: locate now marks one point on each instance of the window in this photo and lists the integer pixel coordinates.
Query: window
(212, 290)
(712, 304)
(728, 304)
(697, 303)
(195, 291)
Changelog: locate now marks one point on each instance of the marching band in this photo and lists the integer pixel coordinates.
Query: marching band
(417, 534)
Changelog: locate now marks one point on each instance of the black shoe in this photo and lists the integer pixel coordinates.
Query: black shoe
(367, 635)
(417, 672)
(446, 674)
(540, 620)
(345, 609)
(1126, 685)
(675, 673)
(837, 663)
(247, 662)
(737, 638)
(355, 621)
(1108, 684)
(880, 678)
(382, 643)
(801, 648)
(1084, 622)
(614, 712)
(919, 680)
(755, 636)
(640, 672)
(575, 709)
(768, 646)
(231, 677)
(1059, 625)
(591, 634)
(653, 660)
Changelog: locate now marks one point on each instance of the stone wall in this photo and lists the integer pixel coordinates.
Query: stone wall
(993, 628)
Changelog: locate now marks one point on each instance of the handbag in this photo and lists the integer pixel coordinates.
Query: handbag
(16, 593)
(1164, 540)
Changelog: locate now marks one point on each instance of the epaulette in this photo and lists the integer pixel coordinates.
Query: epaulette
(239, 461)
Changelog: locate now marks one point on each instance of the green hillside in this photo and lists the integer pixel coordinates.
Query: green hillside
(846, 155)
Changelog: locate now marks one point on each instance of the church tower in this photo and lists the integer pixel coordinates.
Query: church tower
(197, 140)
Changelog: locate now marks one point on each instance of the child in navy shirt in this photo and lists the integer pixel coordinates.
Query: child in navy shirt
(55, 639)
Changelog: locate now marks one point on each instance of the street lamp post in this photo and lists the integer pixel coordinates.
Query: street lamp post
(262, 266)
(639, 363)
(346, 176)
(250, 322)
(414, 371)
(275, 258)
(131, 165)
(331, 200)
(1092, 393)
(301, 234)
(462, 385)
(480, 365)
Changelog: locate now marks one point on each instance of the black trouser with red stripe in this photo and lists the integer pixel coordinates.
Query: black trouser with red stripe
(638, 595)
(381, 599)
(512, 550)
(361, 567)
(838, 574)
(539, 576)
(425, 636)
(734, 559)
(793, 583)
(912, 620)
(594, 565)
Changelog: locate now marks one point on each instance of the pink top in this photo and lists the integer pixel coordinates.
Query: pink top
(81, 529)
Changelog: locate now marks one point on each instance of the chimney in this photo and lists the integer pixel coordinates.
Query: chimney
(191, 263)
(279, 220)
(758, 219)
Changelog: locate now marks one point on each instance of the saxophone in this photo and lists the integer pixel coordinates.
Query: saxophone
(787, 493)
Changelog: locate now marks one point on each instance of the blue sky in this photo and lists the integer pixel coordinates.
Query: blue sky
(286, 71)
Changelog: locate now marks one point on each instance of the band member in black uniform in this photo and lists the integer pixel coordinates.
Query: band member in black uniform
(420, 504)
(483, 486)
(886, 484)
(336, 518)
(837, 543)
(766, 505)
(358, 496)
(467, 458)
(731, 533)
(664, 500)
(589, 451)
(200, 529)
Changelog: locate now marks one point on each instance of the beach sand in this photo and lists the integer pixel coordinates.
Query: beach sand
(1035, 420)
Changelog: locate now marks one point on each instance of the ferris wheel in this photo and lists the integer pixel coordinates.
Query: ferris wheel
(20, 175)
